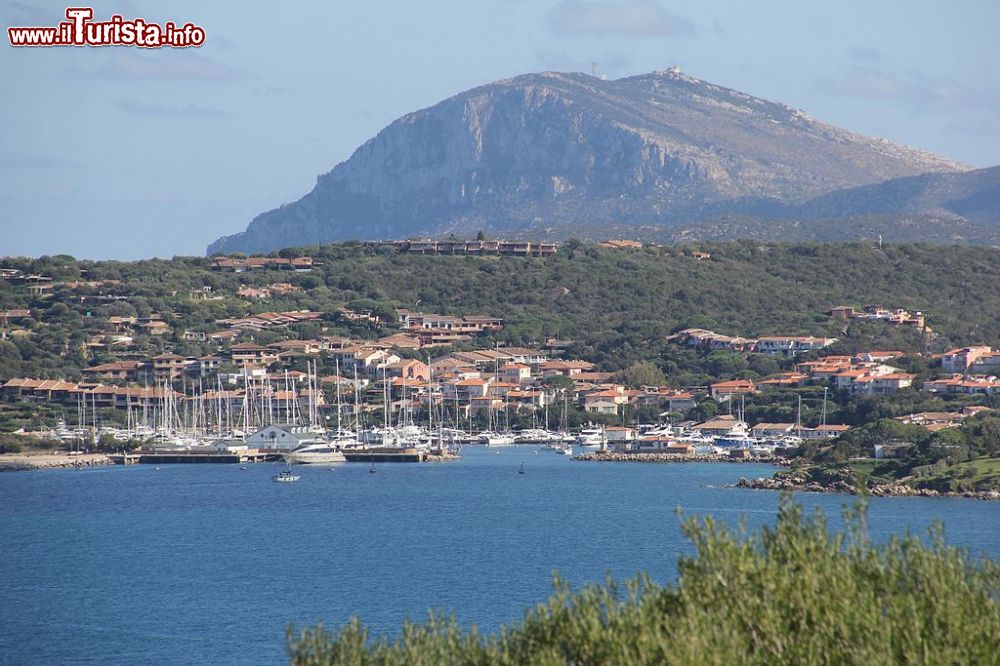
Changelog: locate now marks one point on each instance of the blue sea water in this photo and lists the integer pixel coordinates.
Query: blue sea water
(207, 563)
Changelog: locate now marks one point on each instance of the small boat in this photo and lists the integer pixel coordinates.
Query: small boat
(371, 470)
(243, 468)
(520, 470)
(285, 476)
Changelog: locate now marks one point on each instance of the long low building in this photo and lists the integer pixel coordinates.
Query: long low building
(497, 247)
(71, 393)
(962, 384)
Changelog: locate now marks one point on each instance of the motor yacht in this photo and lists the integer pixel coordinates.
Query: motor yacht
(591, 438)
(491, 438)
(317, 453)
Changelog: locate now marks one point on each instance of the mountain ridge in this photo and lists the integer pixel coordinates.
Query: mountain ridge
(553, 148)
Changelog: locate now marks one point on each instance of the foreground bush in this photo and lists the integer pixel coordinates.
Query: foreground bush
(791, 594)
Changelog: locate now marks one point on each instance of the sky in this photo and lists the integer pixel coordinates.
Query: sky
(127, 153)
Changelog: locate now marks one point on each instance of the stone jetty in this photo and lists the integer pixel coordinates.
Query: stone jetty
(841, 486)
(654, 457)
(23, 462)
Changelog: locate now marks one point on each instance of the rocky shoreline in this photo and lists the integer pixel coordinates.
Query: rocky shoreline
(450, 457)
(17, 462)
(609, 456)
(875, 490)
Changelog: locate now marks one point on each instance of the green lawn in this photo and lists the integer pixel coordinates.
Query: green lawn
(985, 468)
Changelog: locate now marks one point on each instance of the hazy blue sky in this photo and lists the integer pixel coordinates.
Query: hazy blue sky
(126, 153)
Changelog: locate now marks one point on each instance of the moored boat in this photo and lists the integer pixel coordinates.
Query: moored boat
(318, 453)
(496, 439)
(591, 438)
(285, 476)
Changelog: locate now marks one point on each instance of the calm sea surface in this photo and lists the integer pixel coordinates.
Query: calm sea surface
(194, 564)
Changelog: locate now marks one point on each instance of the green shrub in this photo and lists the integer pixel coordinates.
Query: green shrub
(10, 447)
(11, 443)
(789, 594)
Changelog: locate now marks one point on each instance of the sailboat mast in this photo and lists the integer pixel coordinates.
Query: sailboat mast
(823, 420)
(337, 388)
(798, 418)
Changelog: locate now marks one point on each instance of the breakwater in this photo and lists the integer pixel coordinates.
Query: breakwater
(840, 486)
(18, 462)
(655, 457)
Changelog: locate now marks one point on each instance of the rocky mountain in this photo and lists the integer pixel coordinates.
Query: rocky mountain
(554, 150)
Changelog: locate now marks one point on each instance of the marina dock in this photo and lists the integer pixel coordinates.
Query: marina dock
(385, 456)
(193, 456)
(209, 456)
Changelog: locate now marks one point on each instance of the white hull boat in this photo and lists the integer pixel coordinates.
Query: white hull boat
(496, 439)
(285, 477)
(591, 439)
(317, 454)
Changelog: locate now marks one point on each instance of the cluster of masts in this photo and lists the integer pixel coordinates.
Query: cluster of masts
(216, 417)
(213, 414)
(210, 414)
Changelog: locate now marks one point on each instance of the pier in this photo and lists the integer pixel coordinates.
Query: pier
(385, 455)
(209, 456)
(194, 456)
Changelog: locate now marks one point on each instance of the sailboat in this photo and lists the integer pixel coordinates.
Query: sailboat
(520, 470)
(285, 475)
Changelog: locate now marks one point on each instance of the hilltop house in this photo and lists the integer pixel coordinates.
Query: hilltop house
(123, 370)
(980, 360)
(960, 384)
(712, 341)
(723, 391)
(249, 353)
(622, 244)
(790, 345)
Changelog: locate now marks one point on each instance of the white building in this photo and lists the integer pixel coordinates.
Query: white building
(280, 438)
(790, 345)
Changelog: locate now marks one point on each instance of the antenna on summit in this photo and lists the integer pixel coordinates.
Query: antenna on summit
(593, 69)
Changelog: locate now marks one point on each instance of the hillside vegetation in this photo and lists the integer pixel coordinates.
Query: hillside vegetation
(791, 594)
(619, 306)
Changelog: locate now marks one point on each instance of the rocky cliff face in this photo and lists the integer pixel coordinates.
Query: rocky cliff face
(553, 150)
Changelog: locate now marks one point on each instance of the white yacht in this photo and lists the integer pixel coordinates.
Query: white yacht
(537, 436)
(738, 437)
(490, 438)
(318, 453)
(591, 438)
